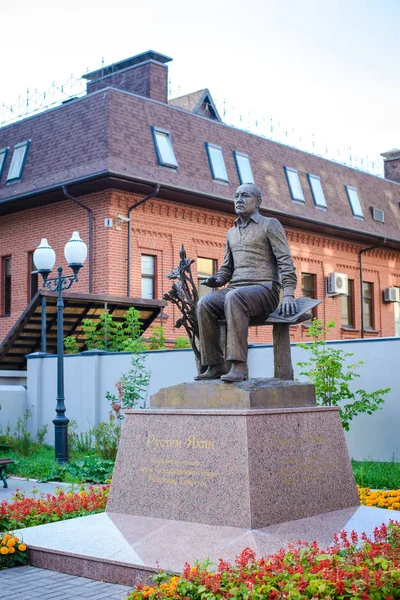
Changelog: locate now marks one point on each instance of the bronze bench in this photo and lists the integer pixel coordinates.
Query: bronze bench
(3, 463)
(283, 368)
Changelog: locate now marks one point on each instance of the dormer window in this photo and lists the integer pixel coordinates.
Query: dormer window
(217, 164)
(163, 147)
(3, 158)
(243, 167)
(317, 191)
(294, 184)
(18, 161)
(354, 201)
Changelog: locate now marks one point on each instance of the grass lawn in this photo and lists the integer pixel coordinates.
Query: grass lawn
(42, 465)
(377, 475)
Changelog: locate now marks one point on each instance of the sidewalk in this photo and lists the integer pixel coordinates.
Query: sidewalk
(31, 583)
(27, 486)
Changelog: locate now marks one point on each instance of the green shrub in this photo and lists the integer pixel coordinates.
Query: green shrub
(328, 371)
(181, 342)
(21, 441)
(107, 334)
(71, 345)
(157, 338)
(107, 437)
(91, 469)
(83, 442)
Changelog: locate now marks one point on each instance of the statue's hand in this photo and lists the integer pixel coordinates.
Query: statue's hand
(288, 306)
(212, 282)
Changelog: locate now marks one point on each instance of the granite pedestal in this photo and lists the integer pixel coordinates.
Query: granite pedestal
(236, 467)
(205, 482)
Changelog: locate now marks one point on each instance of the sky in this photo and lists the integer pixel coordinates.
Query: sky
(318, 71)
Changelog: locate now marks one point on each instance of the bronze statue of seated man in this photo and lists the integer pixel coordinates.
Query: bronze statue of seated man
(256, 265)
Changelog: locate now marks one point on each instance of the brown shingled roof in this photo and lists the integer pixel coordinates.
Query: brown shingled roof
(199, 103)
(109, 132)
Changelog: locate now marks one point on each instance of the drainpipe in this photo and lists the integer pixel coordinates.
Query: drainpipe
(130, 209)
(361, 281)
(90, 211)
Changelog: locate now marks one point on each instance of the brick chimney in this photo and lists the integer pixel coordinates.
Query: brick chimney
(145, 74)
(392, 164)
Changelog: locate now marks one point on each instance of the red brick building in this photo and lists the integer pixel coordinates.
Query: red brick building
(124, 152)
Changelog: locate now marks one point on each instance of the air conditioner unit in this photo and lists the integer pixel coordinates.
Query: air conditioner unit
(337, 284)
(378, 215)
(391, 294)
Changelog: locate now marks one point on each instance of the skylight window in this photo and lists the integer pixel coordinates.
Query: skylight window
(18, 162)
(163, 146)
(3, 158)
(354, 201)
(217, 164)
(243, 167)
(317, 191)
(293, 180)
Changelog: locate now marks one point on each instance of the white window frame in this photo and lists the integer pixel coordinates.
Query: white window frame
(148, 276)
(18, 161)
(238, 156)
(298, 195)
(354, 201)
(217, 176)
(3, 158)
(317, 191)
(164, 161)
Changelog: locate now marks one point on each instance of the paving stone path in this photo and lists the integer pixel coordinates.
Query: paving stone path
(31, 583)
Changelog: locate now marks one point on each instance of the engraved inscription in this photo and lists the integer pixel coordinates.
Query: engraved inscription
(155, 442)
(303, 459)
(174, 471)
(193, 442)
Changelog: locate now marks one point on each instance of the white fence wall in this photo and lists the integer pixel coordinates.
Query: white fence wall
(89, 375)
(13, 397)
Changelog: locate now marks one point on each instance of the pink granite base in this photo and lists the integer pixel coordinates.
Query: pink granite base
(236, 468)
(124, 549)
(99, 569)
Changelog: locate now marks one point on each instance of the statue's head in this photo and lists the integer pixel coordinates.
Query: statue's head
(247, 199)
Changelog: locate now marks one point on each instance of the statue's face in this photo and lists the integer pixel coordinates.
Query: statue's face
(246, 203)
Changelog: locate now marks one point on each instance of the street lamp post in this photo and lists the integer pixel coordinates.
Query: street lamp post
(44, 257)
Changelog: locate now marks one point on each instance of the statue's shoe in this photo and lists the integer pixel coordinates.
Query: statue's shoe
(213, 372)
(239, 372)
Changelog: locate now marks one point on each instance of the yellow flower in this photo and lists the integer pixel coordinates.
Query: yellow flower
(4, 550)
(7, 537)
(11, 543)
(11, 550)
(22, 547)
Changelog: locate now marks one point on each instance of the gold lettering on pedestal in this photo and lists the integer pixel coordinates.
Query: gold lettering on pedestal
(193, 442)
(154, 442)
(301, 460)
(177, 471)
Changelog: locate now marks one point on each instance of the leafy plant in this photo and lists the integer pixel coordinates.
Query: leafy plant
(352, 567)
(107, 437)
(71, 345)
(328, 371)
(131, 386)
(107, 334)
(157, 338)
(82, 442)
(91, 469)
(181, 342)
(21, 441)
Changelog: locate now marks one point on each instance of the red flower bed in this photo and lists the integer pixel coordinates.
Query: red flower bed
(353, 567)
(26, 512)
